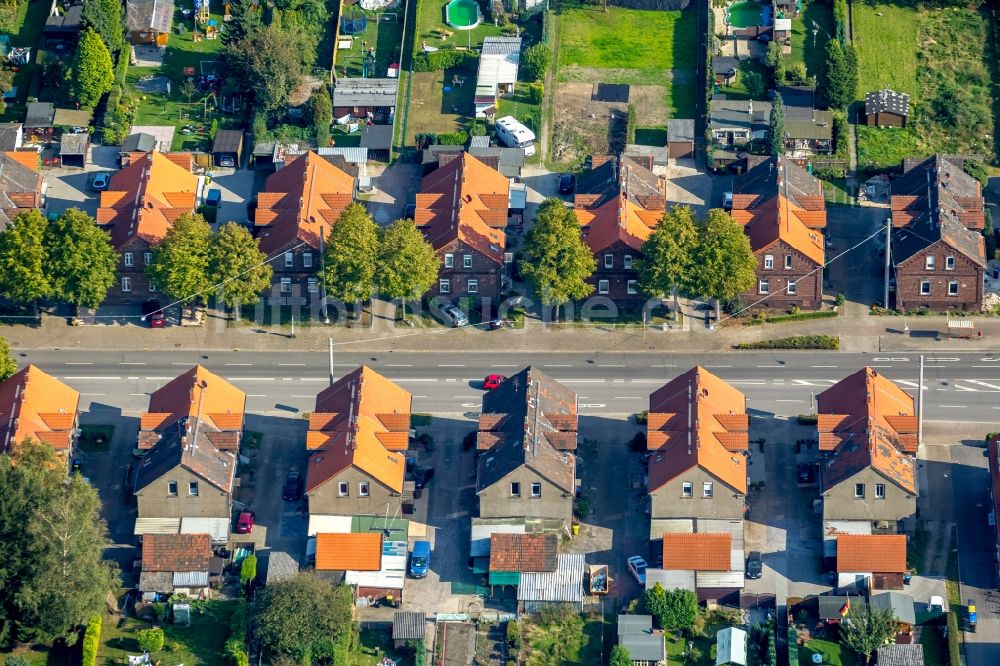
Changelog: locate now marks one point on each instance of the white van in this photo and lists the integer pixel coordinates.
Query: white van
(514, 134)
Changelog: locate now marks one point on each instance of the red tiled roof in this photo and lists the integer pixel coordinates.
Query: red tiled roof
(697, 552)
(523, 552)
(871, 553)
(176, 552)
(349, 552)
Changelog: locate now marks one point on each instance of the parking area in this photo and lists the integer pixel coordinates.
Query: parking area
(859, 275)
(689, 184)
(71, 187)
(236, 188)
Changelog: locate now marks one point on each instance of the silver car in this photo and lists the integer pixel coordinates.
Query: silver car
(453, 316)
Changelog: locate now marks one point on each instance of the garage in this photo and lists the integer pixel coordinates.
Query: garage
(227, 149)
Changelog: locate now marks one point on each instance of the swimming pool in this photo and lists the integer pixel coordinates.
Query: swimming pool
(745, 14)
(463, 14)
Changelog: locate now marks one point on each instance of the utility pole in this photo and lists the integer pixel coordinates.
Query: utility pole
(330, 348)
(888, 240)
(920, 404)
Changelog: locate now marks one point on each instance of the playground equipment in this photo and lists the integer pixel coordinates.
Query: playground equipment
(201, 11)
(353, 22)
(463, 14)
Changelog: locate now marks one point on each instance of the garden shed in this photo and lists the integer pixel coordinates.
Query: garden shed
(73, 149)
(38, 120)
(731, 647)
(149, 21)
(408, 626)
(564, 585)
(680, 137)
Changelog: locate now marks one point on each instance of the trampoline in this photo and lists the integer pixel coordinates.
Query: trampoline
(746, 14)
(354, 23)
(463, 14)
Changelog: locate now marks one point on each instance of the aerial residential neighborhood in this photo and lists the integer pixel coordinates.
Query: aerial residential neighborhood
(396, 332)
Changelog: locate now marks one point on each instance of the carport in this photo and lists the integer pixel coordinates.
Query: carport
(73, 149)
(378, 140)
(227, 147)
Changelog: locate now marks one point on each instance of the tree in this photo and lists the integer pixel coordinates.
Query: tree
(189, 88)
(238, 266)
(724, 263)
(151, 640)
(557, 262)
(302, 616)
(268, 65)
(865, 630)
(248, 572)
(773, 59)
(54, 578)
(8, 366)
(105, 17)
(321, 113)
(666, 265)
(180, 265)
(351, 255)
(407, 264)
(839, 80)
(244, 20)
(82, 262)
(7, 79)
(91, 71)
(535, 61)
(620, 656)
(680, 609)
(654, 601)
(776, 125)
(24, 260)
(753, 82)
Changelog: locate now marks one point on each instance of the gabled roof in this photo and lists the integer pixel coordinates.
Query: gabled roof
(299, 200)
(36, 405)
(868, 421)
(465, 199)
(738, 114)
(361, 421)
(146, 196)
(523, 552)
(187, 443)
(871, 553)
(196, 393)
(766, 178)
(625, 183)
(349, 552)
(697, 419)
(155, 15)
(887, 101)
(176, 552)
(20, 184)
(698, 551)
(784, 221)
(936, 200)
(531, 421)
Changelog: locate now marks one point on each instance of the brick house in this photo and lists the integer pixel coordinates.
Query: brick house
(298, 206)
(527, 437)
(757, 191)
(462, 210)
(175, 563)
(358, 436)
(22, 186)
(618, 202)
(141, 203)
(35, 405)
(867, 432)
(938, 251)
(871, 561)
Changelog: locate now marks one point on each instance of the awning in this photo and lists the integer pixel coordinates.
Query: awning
(190, 579)
(505, 578)
(670, 579)
(157, 526)
(216, 528)
(719, 579)
(329, 524)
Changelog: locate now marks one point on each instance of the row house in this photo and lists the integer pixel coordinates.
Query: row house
(189, 440)
(698, 436)
(22, 186)
(140, 205)
(36, 406)
(298, 206)
(867, 433)
(937, 250)
(619, 202)
(462, 211)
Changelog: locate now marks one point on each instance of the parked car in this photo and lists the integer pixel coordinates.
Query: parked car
(420, 558)
(493, 381)
(755, 565)
(496, 324)
(152, 314)
(727, 200)
(637, 567)
(244, 524)
(227, 162)
(422, 477)
(292, 491)
(101, 181)
(453, 316)
(806, 473)
(567, 183)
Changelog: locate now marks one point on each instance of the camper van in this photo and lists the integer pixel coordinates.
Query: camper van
(514, 134)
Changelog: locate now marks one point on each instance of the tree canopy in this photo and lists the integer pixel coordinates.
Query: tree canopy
(82, 262)
(776, 61)
(91, 71)
(106, 18)
(407, 264)
(557, 262)
(8, 366)
(244, 20)
(24, 261)
(839, 80)
(180, 264)
(238, 266)
(53, 578)
(724, 263)
(776, 125)
(672, 609)
(865, 630)
(535, 61)
(667, 255)
(303, 617)
(350, 256)
(620, 656)
(268, 65)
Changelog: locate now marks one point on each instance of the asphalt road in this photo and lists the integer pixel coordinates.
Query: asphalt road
(958, 386)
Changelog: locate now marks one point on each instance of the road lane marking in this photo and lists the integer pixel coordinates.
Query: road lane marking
(746, 381)
(256, 395)
(451, 365)
(664, 365)
(593, 405)
(770, 366)
(109, 378)
(891, 359)
(78, 363)
(504, 365)
(952, 406)
(941, 360)
(138, 394)
(286, 365)
(558, 365)
(132, 363)
(470, 404)
(610, 365)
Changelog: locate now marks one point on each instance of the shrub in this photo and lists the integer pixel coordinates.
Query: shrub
(954, 649)
(977, 170)
(248, 570)
(535, 61)
(91, 641)
(582, 508)
(513, 634)
(237, 652)
(808, 419)
(419, 653)
(630, 125)
(457, 138)
(16, 660)
(795, 342)
(641, 417)
(762, 318)
(478, 128)
(841, 299)
(536, 91)
(151, 640)
(442, 59)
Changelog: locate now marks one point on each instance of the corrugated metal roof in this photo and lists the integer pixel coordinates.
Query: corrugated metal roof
(563, 584)
(216, 528)
(660, 526)
(670, 579)
(351, 154)
(329, 524)
(190, 579)
(408, 625)
(724, 579)
(157, 526)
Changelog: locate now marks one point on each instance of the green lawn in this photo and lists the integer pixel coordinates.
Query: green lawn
(833, 653)
(29, 22)
(430, 18)
(737, 90)
(574, 640)
(372, 646)
(384, 36)
(885, 37)
(519, 106)
(200, 644)
(808, 42)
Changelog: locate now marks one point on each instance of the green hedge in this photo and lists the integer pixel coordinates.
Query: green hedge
(236, 650)
(91, 641)
(798, 316)
(794, 342)
(954, 649)
(436, 61)
(457, 138)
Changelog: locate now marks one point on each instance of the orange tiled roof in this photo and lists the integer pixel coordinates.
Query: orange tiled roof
(349, 552)
(523, 552)
(362, 420)
(871, 553)
(145, 197)
(299, 200)
(465, 200)
(36, 405)
(617, 220)
(26, 158)
(719, 430)
(786, 223)
(697, 552)
(195, 392)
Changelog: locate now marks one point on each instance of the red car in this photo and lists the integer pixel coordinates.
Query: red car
(493, 381)
(244, 524)
(153, 315)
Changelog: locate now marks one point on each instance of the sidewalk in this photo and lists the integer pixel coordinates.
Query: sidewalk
(857, 334)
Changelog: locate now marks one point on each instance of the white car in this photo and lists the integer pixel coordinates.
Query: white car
(637, 567)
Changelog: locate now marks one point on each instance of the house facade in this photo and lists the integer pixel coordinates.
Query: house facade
(36, 406)
(938, 250)
(357, 439)
(526, 466)
(886, 108)
(22, 186)
(462, 210)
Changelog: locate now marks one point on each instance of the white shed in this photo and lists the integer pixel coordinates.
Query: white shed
(731, 647)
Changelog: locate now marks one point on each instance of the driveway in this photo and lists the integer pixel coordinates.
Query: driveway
(395, 186)
(859, 275)
(237, 191)
(689, 184)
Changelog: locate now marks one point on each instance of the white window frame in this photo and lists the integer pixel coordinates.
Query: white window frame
(632, 287)
(307, 260)
(687, 489)
(708, 489)
(609, 261)
(949, 263)
(536, 489)
(627, 262)
(859, 491)
(763, 286)
(515, 488)
(126, 283)
(286, 285)
(449, 260)
(925, 287)
(147, 258)
(466, 261)
(880, 491)
(444, 286)
(172, 489)
(312, 285)
(792, 288)
(152, 286)
(768, 262)
(603, 287)
(129, 259)
(472, 285)
(343, 489)
(193, 490)
(364, 489)
(930, 262)
(788, 262)
(953, 287)
(289, 259)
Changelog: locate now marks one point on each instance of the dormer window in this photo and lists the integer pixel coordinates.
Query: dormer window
(768, 262)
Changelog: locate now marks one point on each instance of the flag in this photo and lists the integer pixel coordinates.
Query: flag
(846, 608)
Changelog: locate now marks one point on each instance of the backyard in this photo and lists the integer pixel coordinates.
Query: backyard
(200, 643)
(811, 29)
(373, 645)
(558, 636)
(28, 22)
(833, 653)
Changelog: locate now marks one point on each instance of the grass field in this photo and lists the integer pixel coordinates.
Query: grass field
(881, 148)
(200, 644)
(30, 20)
(807, 45)
(833, 653)
(384, 36)
(885, 37)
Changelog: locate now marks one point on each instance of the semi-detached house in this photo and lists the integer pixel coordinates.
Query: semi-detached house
(36, 406)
